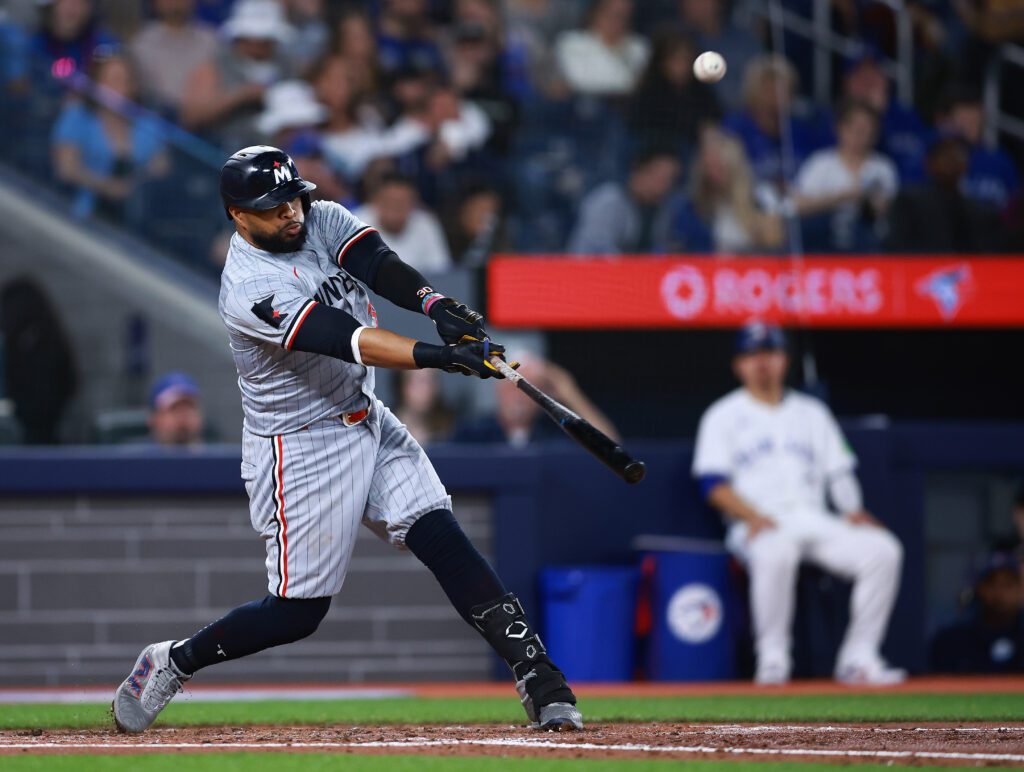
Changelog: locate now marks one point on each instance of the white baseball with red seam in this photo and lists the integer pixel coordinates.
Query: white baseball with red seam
(709, 67)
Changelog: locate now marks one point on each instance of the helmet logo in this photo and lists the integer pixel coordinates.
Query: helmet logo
(281, 174)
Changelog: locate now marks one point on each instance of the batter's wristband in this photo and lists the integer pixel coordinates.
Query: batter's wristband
(428, 355)
(429, 300)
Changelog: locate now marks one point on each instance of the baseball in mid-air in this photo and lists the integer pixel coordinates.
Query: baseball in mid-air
(709, 67)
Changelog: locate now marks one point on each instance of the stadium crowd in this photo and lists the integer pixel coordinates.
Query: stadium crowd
(462, 127)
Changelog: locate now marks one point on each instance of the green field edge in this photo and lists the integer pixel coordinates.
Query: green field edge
(276, 762)
(867, 708)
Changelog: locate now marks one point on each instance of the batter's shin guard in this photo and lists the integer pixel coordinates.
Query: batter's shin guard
(504, 625)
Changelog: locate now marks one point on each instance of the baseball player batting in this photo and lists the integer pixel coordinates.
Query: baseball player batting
(768, 458)
(320, 453)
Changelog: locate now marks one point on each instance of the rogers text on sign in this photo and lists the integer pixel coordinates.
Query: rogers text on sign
(813, 291)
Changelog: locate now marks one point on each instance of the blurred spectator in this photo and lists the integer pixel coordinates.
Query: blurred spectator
(311, 34)
(477, 70)
(990, 639)
(518, 420)
(168, 49)
(71, 37)
(289, 106)
(410, 230)
(355, 42)
(351, 140)
(989, 24)
(475, 228)
(850, 183)
(406, 37)
(444, 134)
(14, 56)
(992, 176)
(293, 121)
(102, 152)
(39, 373)
(606, 57)
(720, 213)
(769, 86)
(768, 459)
(420, 405)
(708, 22)
(175, 413)
(1013, 541)
(225, 94)
(671, 105)
(633, 218)
(904, 136)
(936, 217)
(533, 26)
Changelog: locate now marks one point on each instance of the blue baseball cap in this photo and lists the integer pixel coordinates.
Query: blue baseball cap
(996, 562)
(172, 388)
(760, 336)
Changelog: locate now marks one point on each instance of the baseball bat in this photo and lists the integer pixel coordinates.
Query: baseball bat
(600, 445)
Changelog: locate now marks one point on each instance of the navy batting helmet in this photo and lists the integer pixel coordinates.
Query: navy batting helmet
(261, 177)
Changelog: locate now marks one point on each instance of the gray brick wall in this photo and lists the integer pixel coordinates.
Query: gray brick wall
(85, 582)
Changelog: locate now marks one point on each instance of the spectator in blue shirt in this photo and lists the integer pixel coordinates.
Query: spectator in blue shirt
(991, 177)
(100, 149)
(769, 85)
(406, 39)
(14, 45)
(903, 134)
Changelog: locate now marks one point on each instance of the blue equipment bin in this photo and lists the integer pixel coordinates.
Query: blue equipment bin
(589, 614)
(693, 636)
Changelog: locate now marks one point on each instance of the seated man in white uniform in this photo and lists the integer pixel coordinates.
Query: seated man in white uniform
(768, 458)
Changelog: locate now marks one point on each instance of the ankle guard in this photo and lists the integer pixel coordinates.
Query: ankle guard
(503, 624)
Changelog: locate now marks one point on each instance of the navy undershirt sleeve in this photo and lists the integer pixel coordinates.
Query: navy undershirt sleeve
(366, 257)
(327, 331)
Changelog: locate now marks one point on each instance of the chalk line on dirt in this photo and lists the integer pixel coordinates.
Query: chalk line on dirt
(412, 744)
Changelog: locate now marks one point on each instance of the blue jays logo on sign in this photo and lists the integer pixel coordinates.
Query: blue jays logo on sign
(695, 613)
(948, 288)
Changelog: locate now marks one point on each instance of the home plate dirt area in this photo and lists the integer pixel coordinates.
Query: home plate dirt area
(915, 744)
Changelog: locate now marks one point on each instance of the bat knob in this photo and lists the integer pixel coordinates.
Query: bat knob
(635, 472)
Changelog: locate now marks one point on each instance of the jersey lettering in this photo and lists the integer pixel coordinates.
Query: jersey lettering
(336, 287)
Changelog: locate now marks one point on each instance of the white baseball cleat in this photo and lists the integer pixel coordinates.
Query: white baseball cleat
(876, 673)
(153, 682)
(559, 717)
(772, 674)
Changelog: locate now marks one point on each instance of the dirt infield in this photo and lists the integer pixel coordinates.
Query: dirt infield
(904, 744)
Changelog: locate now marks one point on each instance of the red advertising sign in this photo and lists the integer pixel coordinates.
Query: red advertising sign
(660, 292)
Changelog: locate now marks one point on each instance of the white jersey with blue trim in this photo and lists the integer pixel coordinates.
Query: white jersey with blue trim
(264, 300)
(779, 458)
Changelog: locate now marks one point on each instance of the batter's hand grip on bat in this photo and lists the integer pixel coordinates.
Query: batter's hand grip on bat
(600, 445)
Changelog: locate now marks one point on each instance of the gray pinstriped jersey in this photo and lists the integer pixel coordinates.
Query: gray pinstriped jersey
(264, 298)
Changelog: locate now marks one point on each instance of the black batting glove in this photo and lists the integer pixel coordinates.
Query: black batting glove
(456, 321)
(471, 357)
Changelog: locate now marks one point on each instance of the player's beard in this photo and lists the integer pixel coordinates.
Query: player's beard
(279, 242)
